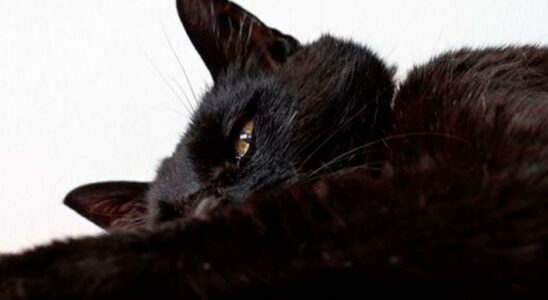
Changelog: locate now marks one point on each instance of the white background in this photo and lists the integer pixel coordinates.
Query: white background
(80, 101)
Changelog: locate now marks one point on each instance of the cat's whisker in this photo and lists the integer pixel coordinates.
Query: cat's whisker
(346, 122)
(182, 91)
(167, 83)
(181, 66)
(313, 141)
(364, 167)
(384, 140)
(176, 111)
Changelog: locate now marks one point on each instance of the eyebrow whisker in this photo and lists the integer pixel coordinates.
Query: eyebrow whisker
(180, 65)
(167, 83)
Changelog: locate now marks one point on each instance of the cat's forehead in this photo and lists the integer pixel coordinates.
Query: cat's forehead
(237, 96)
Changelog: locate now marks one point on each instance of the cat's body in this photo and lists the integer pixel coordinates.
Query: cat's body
(338, 191)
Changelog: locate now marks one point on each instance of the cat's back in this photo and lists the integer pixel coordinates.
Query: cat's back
(478, 109)
(462, 89)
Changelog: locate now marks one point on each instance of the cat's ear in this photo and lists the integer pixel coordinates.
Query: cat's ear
(224, 33)
(111, 205)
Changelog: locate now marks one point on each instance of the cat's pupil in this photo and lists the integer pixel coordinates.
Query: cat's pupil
(243, 143)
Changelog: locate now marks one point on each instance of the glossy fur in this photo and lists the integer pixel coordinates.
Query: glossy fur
(300, 126)
(353, 188)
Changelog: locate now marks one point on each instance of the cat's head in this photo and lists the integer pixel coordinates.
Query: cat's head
(278, 112)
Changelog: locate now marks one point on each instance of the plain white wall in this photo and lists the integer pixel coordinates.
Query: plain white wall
(81, 102)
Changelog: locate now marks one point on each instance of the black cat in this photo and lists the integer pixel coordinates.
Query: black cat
(306, 173)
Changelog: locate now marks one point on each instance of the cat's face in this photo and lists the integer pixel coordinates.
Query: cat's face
(278, 112)
(239, 141)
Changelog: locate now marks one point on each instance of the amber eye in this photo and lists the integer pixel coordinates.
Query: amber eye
(243, 140)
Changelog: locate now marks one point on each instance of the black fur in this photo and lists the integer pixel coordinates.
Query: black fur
(300, 126)
(347, 191)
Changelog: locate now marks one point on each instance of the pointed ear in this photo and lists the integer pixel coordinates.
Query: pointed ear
(111, 205)
(224, 33)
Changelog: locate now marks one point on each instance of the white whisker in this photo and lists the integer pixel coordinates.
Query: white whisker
(181, 66)
(166, 82)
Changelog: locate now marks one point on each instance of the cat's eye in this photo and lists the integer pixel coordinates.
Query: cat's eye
(243, 140)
